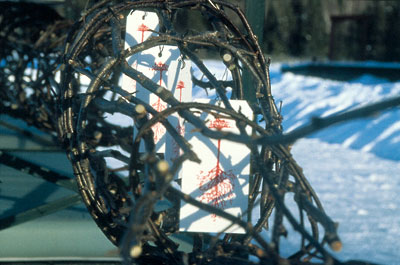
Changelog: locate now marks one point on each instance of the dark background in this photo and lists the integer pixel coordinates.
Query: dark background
(362, 29)
(313, 29)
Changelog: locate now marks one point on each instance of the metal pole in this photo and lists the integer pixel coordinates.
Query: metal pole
(255, 13)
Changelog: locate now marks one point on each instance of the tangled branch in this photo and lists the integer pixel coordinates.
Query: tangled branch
(77, 108)
(84, 111)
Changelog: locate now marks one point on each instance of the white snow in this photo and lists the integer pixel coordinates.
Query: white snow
(354, 167)
(305, 97)
(360, 191)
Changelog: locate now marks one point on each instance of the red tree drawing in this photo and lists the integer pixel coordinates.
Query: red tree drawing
(180, 86)
(217, 185)
(161, 67)
(158, 128)
(143, 28)
(180, 128)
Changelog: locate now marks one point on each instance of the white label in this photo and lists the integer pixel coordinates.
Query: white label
(222, 178)
(154, 63)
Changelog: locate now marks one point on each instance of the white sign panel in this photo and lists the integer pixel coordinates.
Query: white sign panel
(154, 63)
(139, 27)
(222, 178)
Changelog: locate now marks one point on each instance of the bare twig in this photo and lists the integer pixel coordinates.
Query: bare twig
(122, 202)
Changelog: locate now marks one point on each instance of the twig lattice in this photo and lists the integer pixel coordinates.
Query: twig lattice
(74, 105)
(31, 37)
(129, 220)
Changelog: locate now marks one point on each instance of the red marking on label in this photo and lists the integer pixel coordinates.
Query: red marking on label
(217, 185)
(159, 105)
(180, 129)
(219, 124)
(143, 28)
(180, 86)
(160, 67)
(158, 128)
(176, 150)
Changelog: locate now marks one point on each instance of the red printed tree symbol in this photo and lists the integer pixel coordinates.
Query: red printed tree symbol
(180, 86)
(159, 106)
(143, 28)
(160, 67)
(217, 185)
(158, 128)
(179, 128)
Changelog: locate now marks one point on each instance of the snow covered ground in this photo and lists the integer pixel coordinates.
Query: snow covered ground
(360, 191)
(304, 97)
(354, 167)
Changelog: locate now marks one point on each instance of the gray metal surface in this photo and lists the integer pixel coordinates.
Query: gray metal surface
(41, 219)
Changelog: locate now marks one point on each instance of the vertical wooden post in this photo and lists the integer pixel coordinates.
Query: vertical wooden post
(255, 13)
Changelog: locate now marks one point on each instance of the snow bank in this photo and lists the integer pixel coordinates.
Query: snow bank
(360, 191)
(305, 97)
